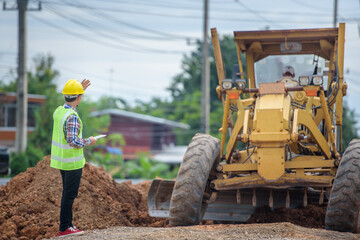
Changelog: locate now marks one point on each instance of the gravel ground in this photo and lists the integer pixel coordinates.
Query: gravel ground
(218, 231)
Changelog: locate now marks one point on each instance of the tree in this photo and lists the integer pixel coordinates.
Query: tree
(185, 89)
(350, 131)
(111, 102)
(113, 163)
(42, 81)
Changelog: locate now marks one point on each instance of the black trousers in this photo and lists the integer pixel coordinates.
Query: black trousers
(71, 182)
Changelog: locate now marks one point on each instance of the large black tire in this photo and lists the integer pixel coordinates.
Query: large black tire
(186, 205)
(344, 204)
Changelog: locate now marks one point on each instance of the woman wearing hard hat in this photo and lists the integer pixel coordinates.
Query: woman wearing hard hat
(67, 151)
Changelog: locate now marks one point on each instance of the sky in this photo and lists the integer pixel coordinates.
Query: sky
(133, 48)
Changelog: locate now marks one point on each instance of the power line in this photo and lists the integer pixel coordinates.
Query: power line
(164, 37)
(129, 46)
(95, 40)
(175, 15)
(75, 34)
(134, 26)
(184, 17)
(256, 13)
(309, 6)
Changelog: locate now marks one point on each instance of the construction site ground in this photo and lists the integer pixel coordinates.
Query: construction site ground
(105, 209)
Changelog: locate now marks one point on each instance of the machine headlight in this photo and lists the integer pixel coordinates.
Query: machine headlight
(227, 84)
(240, 83)
(317, 80)
(304, 80)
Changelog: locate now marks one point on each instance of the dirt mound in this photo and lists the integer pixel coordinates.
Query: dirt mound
(311, 216)
(30, 203)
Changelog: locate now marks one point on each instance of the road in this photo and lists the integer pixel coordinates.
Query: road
(218, 231)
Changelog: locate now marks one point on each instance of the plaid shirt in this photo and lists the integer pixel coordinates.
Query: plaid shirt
(72, 129)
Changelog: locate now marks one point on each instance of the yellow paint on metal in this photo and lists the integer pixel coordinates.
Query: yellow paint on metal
(224, 124)
(255, 47)
(299, 96)
(328, 121)
(302, 117)
(255, 180)
(303, 162)
(236, 130)
(340, 62)
(218, 56)
(238, 167)
(272, 113)
(267, 137)
(241, 69)
(331, 66)
(266, 125)
(250, 71)
(271, 163)
(319, 116)
(309, 105)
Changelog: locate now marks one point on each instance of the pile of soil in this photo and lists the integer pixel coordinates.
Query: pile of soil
(312, 216)
(30, 203)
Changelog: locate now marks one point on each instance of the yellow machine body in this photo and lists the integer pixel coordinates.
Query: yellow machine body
(292, 135)
(268, 120)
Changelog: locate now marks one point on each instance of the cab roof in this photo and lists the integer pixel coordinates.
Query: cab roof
(319, 41)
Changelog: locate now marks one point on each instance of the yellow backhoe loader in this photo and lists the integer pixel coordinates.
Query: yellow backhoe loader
(281, 140)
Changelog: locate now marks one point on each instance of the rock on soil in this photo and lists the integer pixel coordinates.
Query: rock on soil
(30, 203)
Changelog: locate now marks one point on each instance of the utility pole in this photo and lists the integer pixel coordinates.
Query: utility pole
(22, 81)
(335, 13)
(205, 84)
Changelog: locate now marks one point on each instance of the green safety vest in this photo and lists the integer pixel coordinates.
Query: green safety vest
(63, 156)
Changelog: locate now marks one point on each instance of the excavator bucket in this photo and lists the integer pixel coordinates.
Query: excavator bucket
(232, 205)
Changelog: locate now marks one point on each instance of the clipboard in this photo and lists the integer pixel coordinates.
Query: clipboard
(99, 136)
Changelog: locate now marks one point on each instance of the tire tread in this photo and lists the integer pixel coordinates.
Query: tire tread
(186, 205)
(344, 205)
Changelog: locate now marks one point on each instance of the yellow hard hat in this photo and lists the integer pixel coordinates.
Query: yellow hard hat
(73, 87)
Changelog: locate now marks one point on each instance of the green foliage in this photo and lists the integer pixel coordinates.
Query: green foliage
(189, 81)
(185, 89)
(29, 158)
(145, 168)
(34, 154)
(41, 81)
(349, 125)
(91, 126)
(112, 163)
(111, 102)
(18, 163)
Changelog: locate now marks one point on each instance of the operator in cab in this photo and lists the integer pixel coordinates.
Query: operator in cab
(288, 78)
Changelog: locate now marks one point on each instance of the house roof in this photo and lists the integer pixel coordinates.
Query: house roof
(11, 96)
(142, 117)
